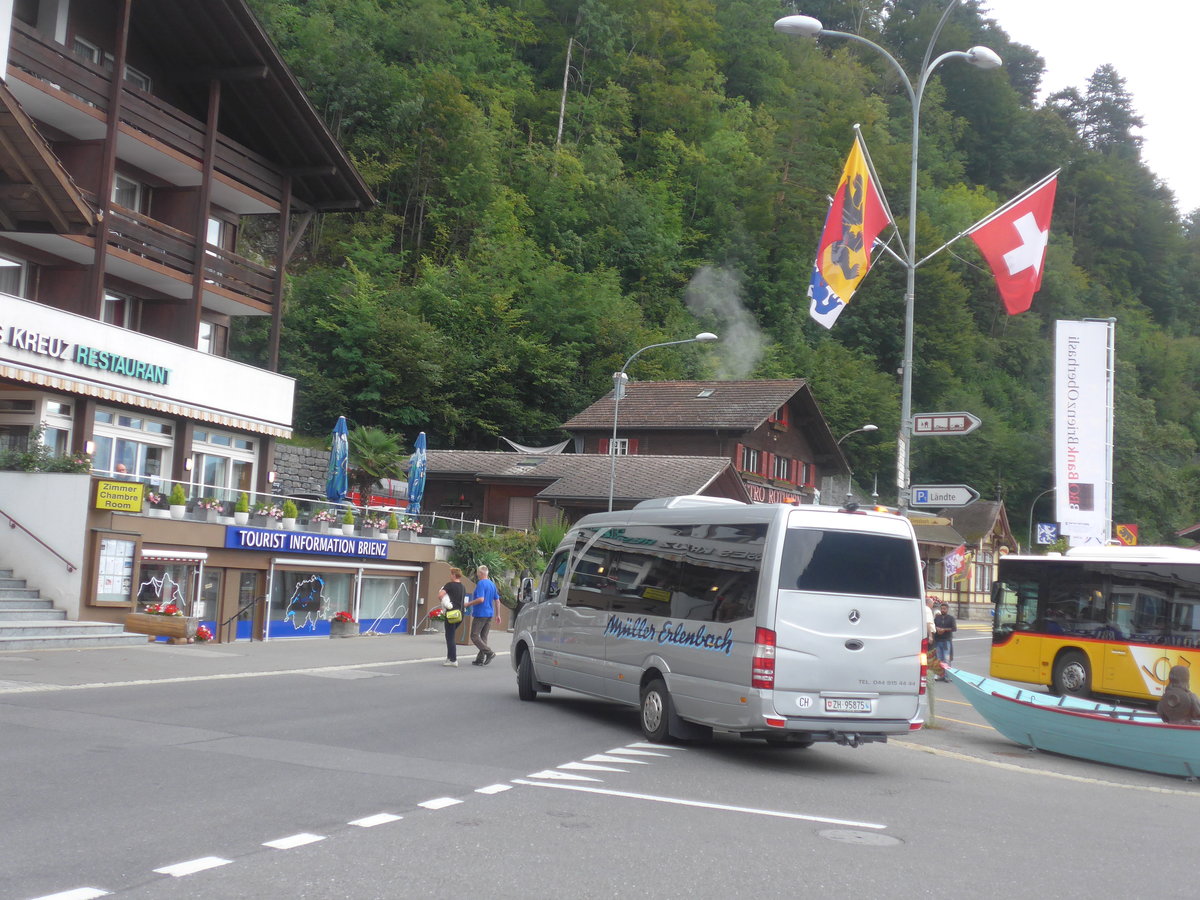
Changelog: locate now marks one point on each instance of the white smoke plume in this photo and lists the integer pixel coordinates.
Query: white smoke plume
(715, 295)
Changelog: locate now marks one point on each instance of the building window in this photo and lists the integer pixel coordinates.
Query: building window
(782, 469)
(12, 276)
(779, 418)
(119, 310)
(807, 474)
(137, 78)
(89, 52)
(751, 460)
(222, 464)
(129, 193)
(133, 445)
(618, 447)
(212, 338)
(983, 571)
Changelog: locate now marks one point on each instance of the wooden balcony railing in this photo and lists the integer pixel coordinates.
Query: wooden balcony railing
(57, 68)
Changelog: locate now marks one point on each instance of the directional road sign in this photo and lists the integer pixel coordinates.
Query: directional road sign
(933, 424)
(943, 495)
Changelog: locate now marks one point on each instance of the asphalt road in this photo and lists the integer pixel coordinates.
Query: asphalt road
(409, 779)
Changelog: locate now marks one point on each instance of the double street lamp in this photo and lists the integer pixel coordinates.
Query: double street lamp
(980, 57)
(619, 381)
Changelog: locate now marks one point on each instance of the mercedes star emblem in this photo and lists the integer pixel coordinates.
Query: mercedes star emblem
(855, 615)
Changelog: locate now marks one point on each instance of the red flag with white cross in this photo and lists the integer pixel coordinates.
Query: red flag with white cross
(1013, 241)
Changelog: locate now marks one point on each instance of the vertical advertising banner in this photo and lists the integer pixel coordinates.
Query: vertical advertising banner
(1083, 392)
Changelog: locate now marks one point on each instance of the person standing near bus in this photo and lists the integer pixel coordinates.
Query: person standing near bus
(483, 607)
(944, 627)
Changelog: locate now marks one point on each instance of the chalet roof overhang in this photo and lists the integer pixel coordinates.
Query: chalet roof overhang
(262, 103)
(36, 193)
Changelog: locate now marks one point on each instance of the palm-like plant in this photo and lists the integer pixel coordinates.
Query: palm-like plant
(374, 455)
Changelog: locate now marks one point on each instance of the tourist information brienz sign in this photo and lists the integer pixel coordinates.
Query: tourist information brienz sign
(929, 424)
(943, 495)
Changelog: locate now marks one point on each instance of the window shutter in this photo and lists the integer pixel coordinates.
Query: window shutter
(633, 442)
(603, 445)
(739, 457)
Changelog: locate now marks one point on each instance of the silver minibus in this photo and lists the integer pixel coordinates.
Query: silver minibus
(792, 624)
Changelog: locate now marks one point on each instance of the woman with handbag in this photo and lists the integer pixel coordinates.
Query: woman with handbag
(451, 596)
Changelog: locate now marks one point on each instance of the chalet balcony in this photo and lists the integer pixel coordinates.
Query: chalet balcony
(59, 88)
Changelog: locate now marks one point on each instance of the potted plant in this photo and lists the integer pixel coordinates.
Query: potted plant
(178, 501)
(289, 515)
(211, 507)
(320, 520)
(270, 512)
(393, 526)
(343, 625)
(163, 620)
(348, 521)
(409, 528)
(241, 510)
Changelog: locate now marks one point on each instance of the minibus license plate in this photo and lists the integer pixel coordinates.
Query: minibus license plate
(847, 705)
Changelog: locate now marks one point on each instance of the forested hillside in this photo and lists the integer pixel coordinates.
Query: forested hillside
(539, 220)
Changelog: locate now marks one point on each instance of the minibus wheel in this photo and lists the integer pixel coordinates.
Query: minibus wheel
(526, 687)
(656, 711)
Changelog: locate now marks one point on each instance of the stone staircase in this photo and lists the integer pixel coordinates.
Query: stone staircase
(27, 622)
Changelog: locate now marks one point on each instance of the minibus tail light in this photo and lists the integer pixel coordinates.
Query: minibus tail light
(762, 666)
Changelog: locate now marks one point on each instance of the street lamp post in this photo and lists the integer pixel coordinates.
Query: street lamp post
(862, 428)
(982, 58)
(619, 381)
(1029, 530)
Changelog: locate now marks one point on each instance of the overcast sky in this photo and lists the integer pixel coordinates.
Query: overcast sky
(1150, 44)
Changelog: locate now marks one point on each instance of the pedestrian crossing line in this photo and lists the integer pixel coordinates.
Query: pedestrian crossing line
(294, 840)
(82, 893)
(646, 745)
(377, 819)
(564, 776)
(631, 751)
(603, 758)
(590, 767)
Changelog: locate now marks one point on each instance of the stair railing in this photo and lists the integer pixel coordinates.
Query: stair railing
(13, 523)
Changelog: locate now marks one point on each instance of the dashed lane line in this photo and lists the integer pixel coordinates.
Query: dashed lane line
(294, 840)
(494, 789)
(440, 803)
(377, 819)
(192, 866)
(82, 893)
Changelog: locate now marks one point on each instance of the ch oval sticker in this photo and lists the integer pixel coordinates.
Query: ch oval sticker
(804, 702)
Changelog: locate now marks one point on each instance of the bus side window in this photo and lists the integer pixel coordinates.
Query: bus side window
(553, 580)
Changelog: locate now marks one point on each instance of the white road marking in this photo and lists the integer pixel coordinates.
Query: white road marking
(377, 819)
(39, 688)
(192, 866)
(630, 751)
(83, 893)
(494, 789)
(678, 801)
(563, 776)
(294, 840)
(600, 757)
(439, 803)
(1011, 767)
(646, 745)
(588, 767)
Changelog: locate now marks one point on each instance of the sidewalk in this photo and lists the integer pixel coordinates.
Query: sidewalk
(23, 671)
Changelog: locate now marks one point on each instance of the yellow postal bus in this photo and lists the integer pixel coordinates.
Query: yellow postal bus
(1097, 620)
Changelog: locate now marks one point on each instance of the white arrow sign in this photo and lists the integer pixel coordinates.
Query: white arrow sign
(943, 495)
(926, 424)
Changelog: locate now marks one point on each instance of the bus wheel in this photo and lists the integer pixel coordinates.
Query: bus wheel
(526, 687)
(1072, 677)
(656, 711)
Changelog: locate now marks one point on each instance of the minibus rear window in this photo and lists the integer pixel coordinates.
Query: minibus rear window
(849, 562)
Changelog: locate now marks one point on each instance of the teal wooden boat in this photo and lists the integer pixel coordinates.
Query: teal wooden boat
(1084, 729)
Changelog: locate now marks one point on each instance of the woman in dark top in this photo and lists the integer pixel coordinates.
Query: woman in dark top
(453, 591)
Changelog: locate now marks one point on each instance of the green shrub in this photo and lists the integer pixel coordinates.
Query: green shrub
(289, 510)
(348, 518)
(393, 523)
(243, 504)
(178, 496)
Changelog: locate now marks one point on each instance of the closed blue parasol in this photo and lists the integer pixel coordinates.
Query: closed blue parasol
(337, 476)
(416, 475)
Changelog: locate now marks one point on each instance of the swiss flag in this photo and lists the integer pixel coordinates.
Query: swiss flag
(1013, 241)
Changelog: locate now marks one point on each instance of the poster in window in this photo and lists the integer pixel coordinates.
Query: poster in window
(114, 571)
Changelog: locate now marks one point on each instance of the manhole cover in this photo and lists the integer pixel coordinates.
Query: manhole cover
(867, 838)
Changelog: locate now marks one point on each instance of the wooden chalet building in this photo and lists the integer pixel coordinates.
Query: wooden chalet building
(772, 431)
(120, 260)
